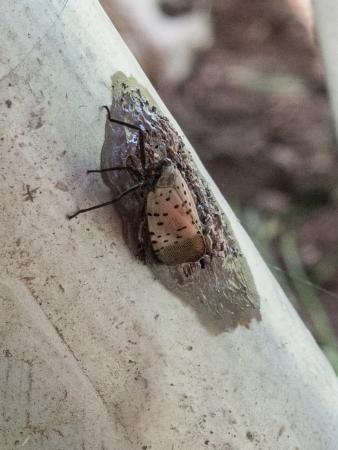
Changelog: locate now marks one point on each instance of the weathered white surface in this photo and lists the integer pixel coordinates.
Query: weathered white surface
(95, 353)
(326, 18)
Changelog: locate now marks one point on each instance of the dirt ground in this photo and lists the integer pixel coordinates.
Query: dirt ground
(256, 109)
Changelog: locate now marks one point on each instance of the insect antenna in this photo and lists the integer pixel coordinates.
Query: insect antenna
(134, 127)
(80, 211)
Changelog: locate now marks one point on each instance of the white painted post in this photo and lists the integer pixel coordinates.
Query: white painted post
(95, 352)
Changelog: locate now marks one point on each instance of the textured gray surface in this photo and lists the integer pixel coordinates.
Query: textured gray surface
(47, 400)
(95, 352)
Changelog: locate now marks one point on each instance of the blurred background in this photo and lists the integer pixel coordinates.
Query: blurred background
(246, 83)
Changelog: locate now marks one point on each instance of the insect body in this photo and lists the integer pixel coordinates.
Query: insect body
(174, 227)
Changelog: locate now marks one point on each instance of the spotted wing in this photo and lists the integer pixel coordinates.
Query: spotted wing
(174, 226)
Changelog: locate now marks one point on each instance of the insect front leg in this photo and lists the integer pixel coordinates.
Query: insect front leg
(133, 127)
(81, 211)
(131, 170)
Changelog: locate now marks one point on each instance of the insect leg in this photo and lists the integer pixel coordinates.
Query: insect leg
(80, 211)
(141, 253)
(110, 169)
(134, 127)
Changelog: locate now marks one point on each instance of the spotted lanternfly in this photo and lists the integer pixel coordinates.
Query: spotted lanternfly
(174, 227)
(173, 222)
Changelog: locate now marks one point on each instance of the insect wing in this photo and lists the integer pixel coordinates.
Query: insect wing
(174, 226)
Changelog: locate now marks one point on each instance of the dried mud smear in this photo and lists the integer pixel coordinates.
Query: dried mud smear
(223, 292)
